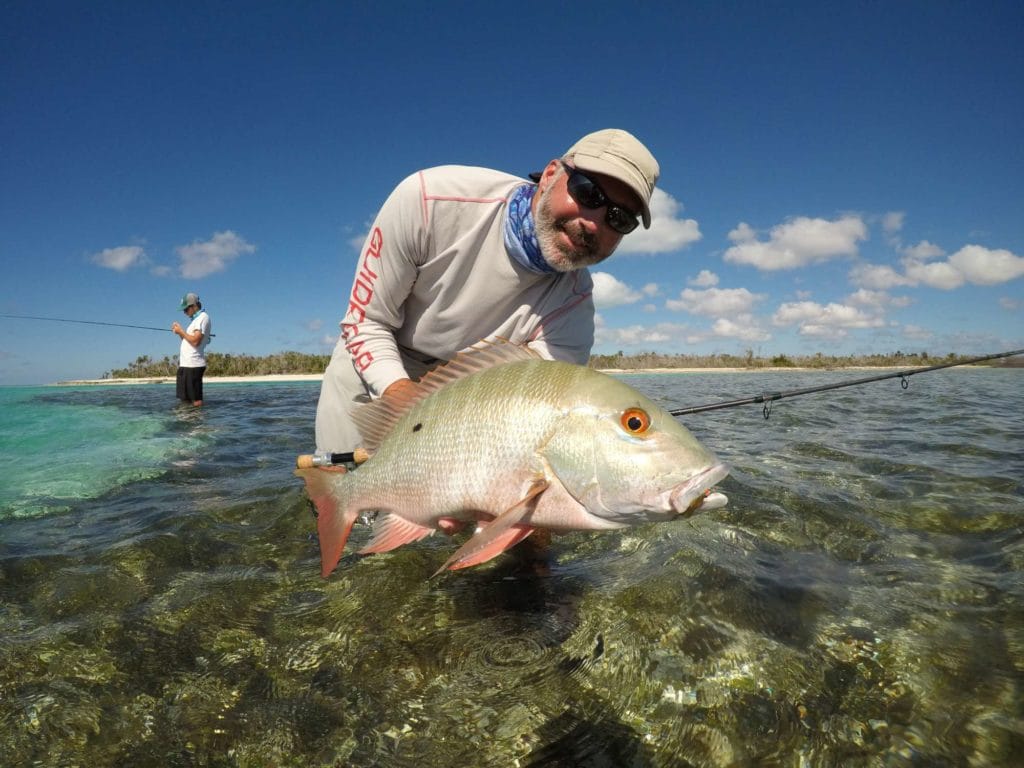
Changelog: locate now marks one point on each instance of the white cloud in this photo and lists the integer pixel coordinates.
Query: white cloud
(715, 302)
(1009, 304)
(609, 291)
(741, 327)
(315, 325)
(892, 222)
(877, 300)
(651, 289)
(892, 225)
(668, 232)
(879, 277)
(923, 251)
(974, 264)
(938, 274)
(639, 335)
(828, 321)
(200, 259)
(797, 243)
(121, 258)
(706, 279)
(982, 266)
(356, 243)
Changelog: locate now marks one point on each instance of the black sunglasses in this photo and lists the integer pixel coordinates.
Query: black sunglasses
(588, 193)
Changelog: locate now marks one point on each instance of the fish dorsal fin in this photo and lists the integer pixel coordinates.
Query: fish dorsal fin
(376, 420)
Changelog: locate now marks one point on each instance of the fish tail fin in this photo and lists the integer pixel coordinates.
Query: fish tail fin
(334, 518)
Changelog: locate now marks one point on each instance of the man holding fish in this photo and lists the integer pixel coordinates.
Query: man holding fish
(459, 254)
(461, 367)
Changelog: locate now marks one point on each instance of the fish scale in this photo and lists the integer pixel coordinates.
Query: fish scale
(504, 418)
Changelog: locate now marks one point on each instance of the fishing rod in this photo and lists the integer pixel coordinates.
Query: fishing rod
(769, 397)
(90, 322)
(310, 460)
(359, 455)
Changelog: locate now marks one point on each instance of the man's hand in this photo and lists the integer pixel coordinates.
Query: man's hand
(400, 389)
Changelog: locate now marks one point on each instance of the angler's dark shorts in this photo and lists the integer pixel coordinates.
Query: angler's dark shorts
(190, 384)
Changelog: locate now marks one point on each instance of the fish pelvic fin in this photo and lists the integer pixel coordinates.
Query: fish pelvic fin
(376, 419)
(391, 531)
(495, 537)
(333, 518)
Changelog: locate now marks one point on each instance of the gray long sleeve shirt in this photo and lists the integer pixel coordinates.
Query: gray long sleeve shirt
(434, 277)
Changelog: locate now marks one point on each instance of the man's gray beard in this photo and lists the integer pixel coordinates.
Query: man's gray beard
(559, 257)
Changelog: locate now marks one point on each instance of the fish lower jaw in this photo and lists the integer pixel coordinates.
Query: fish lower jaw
(686, 498)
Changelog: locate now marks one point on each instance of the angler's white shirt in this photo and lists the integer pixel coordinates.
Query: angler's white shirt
(195, 357)
(434, 277)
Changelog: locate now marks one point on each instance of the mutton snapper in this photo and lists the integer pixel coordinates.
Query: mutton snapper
(510, 442)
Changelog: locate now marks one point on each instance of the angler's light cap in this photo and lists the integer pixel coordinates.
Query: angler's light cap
(188, 300)
(619, 154)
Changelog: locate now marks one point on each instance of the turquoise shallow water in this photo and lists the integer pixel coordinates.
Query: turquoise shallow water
(58, 447)
(859, 602)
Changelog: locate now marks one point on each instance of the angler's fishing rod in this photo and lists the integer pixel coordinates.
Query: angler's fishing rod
(309, 460)
(90, 322)
(769, 397)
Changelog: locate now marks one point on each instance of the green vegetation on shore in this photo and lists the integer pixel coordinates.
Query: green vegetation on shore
(226, 364)
(221, 364)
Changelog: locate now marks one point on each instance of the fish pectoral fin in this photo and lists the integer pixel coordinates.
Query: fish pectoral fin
(498, 535)
(484, 552)
(333, 523)
(391, 531)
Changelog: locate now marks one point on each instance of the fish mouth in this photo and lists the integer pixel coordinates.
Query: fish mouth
(686, 498)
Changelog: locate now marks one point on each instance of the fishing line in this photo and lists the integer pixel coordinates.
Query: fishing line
(91, 322)
(769, 397)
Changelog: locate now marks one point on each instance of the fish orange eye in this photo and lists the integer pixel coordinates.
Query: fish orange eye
(635, 421)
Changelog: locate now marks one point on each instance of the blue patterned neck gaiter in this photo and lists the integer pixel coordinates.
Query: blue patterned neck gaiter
(520, 233)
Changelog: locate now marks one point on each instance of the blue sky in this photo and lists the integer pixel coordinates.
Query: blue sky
(836, 177)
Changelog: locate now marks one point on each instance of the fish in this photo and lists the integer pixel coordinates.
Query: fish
(503, 440)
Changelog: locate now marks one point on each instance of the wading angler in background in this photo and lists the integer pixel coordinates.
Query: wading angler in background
(458, 254)
(192, 357)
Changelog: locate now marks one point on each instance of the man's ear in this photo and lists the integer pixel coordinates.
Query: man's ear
(549, 172)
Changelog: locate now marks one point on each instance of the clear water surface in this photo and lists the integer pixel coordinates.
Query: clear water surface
(859, 602)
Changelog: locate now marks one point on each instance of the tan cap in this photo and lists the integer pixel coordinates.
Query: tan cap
(619, 154)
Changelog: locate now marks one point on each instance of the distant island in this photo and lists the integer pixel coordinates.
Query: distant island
(299, 363)
(226, 364)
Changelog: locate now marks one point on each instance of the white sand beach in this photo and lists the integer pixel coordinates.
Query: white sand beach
(279, 377)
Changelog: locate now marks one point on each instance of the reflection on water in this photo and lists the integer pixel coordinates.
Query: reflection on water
(859, 602)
